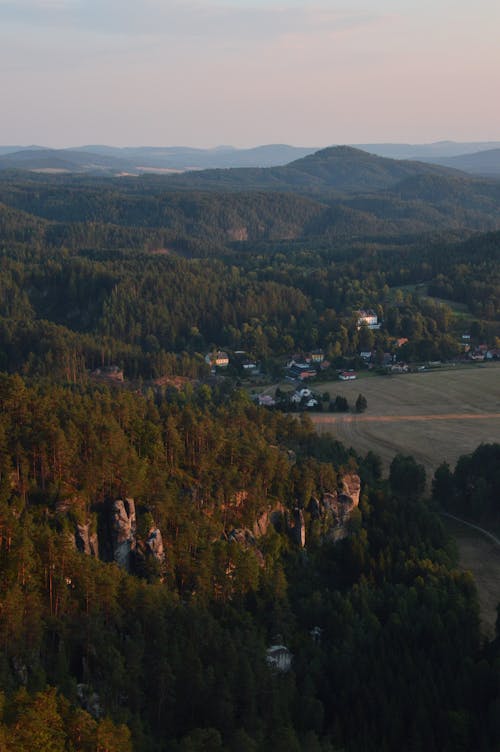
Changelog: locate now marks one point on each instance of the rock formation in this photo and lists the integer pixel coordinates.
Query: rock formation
(272, 516)
(123, 529)
(245, 538)
(351, 486)
(86, 541)
(334, 510)
(154, 545)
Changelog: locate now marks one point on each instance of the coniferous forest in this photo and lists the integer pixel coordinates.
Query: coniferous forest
(182, 570)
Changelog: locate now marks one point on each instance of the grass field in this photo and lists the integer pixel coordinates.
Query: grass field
(435, 415)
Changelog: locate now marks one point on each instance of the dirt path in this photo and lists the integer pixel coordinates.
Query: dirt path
(401, 418)
(479, 552)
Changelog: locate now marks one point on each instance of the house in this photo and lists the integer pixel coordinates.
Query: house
(300, 394)
(300, 371)
(309, 374)
(219, 359)
(368, 318)
(279, 657)
(317, 356)
(347, 376)
(365, 354)
(266, 400)
(304, 396)
(304, 392)
(249, 365)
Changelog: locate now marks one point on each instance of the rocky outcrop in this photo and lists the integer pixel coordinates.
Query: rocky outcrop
(86, 539)
(351, 486)
(272, 516)
(245, 538)
(123, 530)
(333, 510)
(154, 545)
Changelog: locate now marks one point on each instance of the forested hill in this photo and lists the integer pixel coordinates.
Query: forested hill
(151, 213)
(338, 168)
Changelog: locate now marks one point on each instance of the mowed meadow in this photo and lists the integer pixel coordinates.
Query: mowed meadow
(434, 415)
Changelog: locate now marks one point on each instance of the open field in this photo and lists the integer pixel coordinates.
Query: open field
(435, 415)
(480, 556)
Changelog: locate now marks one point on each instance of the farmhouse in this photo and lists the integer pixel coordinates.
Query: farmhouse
(347, 376)
(220, 359)
(368, 318)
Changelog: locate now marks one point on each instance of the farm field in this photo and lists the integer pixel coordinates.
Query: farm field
(435, 415)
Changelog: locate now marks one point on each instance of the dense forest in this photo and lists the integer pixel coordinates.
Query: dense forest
(162, 537)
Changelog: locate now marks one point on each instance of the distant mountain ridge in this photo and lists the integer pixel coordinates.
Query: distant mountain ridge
(98, 159)
(339, 192)
(335, 169)
(485, 163)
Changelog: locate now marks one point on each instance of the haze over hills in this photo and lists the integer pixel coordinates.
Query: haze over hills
(98, 159)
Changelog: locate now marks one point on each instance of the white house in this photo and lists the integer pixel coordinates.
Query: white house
(368, 318)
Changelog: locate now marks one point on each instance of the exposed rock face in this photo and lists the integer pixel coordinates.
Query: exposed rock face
(154, 545)
(269, 517)
(241, 535)
(245, 538)
(333, 510)
(86, 541)
(351, 485)
(123, 528)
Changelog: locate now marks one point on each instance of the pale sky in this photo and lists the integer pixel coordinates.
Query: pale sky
(247, 72)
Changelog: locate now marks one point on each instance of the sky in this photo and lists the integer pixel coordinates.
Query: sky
(247, 72)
